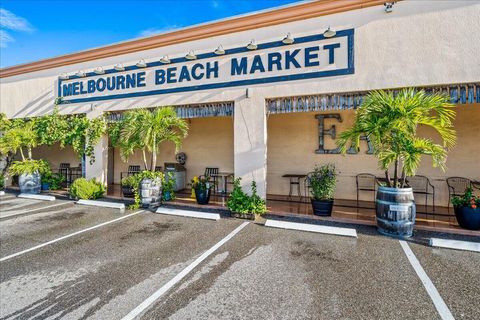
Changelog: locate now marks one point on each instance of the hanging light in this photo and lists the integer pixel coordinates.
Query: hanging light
(329, 33)
(99, 70)
(119, 67)
(191, 55)
(63, 76)
(165, 59)
(141, 64)
(219, 50)
(80, 74)
(252, 45)
(288, 39)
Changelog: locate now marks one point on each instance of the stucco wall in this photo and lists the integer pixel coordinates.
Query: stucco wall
(293, 139)
(56, 155)
(209, 144)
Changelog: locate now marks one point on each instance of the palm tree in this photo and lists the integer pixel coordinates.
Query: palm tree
(145, 130)
(391, 121)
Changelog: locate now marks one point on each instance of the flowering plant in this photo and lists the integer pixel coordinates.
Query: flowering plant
(322, 181)
(468, 199)
(201, 183)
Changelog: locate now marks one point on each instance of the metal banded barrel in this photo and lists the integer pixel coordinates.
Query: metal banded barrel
(395, 209)
(150, 192)
(29, 182)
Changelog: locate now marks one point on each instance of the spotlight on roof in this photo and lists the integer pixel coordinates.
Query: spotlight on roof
(191, 55)
(141, 64)
(119, 67)
(288, 39)
(165, 59)
(99, 70)
(329, 33)
(219, 50)
(63, 76)
(389, 6)
(80, 74)
(252, 45)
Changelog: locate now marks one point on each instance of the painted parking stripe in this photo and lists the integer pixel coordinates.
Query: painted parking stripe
(348, 232)
(21, 204)
(68, 236)
(437, 300)
(160, 292)
(455, 244)
(22, 212)
(189, 213)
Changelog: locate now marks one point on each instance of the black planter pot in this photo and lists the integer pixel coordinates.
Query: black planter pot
(127, 192)
(468, 218)
(322, 207)
(202, 195)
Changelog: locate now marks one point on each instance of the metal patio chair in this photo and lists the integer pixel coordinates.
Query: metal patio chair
(131, 170)
(365, 182)
(422, 185)
(64, 170)
(208, 173)
(158, 168)
(456, 187)
(307, 186)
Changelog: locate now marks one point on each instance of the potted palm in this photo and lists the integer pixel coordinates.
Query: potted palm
(467, 210)
(390, 120)
(146, 130)
(322, 183)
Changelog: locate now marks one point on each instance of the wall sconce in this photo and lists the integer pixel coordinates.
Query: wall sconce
(63, 76)
(219, 50)
(80, 74)
(191, 56)
(141, 64)
(99, 70)
(252, 45)
(329, 32)
(119, 67)
(288, 39)
(165, 59)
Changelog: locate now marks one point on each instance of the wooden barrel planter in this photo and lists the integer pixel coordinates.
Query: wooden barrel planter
(150, 192)
(396, 211)
(29, 182)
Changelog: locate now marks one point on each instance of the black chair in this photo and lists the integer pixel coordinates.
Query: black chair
(422, 185)
(456, 187)
(307, 186)
(131, 170)
(366, 182)
(209, 171)
(158, 168)
(64, 170)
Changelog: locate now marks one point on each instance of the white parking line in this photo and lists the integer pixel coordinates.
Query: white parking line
(21, 204)
(348, 232)
(455, 244)
(189, 213)
(17, 213)
(68, 236)
(437, 300)
(155, 296)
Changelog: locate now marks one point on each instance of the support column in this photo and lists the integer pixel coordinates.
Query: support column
(250, 142)
(98, 169)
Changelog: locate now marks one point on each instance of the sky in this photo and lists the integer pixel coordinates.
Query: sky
(31, 30)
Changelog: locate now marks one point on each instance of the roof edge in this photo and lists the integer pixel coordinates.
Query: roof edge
(236, 24)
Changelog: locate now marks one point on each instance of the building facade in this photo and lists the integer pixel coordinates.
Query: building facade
(263, 104)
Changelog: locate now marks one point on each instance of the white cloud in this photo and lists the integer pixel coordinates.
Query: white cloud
(5, 38)
(155, 31)
(12, 22)
(9, 20)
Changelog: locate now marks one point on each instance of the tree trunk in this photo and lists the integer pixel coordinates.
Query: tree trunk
(154, 154)
(404, 177)
(144, 159)
(30, 153)
(21, 153)
(395, 174)
(387, 176)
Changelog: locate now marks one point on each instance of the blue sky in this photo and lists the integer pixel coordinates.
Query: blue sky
(34, 29)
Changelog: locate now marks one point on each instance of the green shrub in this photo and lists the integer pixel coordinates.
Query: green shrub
(2, 181)
(87, 189)
(29, 167)
(54, 180)
(323, 180)
(240, 202)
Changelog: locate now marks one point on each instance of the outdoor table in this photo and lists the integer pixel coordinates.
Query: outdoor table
(224, 176)
(476, 184)
(294, 179)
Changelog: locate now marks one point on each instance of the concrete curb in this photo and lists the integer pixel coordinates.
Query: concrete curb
(455, 244)
(347, 232)
(2, 193)
(36, 197)
(189, 213)
(104, 204)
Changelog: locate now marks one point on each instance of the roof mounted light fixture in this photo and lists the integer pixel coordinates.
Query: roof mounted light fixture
(252, 45)
(288, 39)
(191, 56)
(389, 6)
(119, 67)
(219, 50)
(141, 64)
(80, 74)
(165, 60)
(63, 76)
(329, 32)
(99, 70)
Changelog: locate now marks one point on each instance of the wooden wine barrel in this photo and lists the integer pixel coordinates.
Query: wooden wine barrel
(396, 211)
(150, 192)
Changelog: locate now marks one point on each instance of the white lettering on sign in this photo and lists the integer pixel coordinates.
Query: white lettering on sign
(398, 208)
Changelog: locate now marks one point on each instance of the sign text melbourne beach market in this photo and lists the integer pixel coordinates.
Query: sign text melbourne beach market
(308, 57)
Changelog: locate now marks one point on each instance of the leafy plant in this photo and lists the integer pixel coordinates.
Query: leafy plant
(133, 181)
(391, 121)
(145, 130)
(82, 188)
(468, 199)
(240, 202)
(168, 186)
(201, 183)
(29, 167)
(54, 180)
(2, 182)
(322, 181)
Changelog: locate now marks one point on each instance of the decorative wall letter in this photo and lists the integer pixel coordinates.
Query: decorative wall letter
(330, 132)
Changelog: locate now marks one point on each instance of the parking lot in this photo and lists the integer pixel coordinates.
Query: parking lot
(79, 262)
